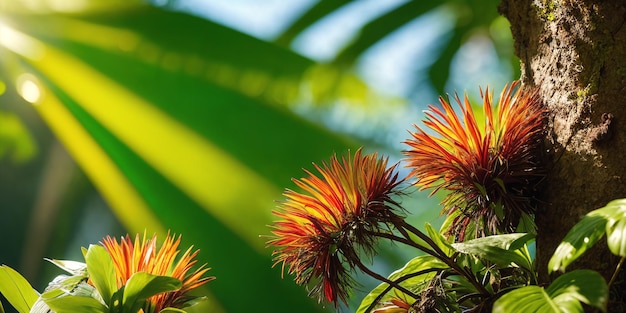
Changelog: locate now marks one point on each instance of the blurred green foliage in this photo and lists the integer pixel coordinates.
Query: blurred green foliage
(180, 123)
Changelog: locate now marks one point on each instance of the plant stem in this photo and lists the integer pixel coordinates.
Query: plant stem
(399, 280)
(394, 284)
(619, 266)
(407, 242)
(444, 258)
(423, 236)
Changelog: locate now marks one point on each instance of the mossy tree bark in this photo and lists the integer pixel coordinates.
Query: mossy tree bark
(574, 51)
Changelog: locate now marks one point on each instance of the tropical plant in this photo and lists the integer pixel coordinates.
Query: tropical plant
(477, 263)
(126, 56)
(181, 123)
(115, 277)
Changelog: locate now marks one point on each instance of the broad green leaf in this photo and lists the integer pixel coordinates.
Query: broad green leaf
(441, 241)
(526, 299)
(615, 209)
(616, 236)
(142, 285)
(202, 147)
(578, 240)
(101, 271)
(564, 295)
(497, 249)
(25, 7)
(16, 289)
(615, 213)
(520, 242)
(584, 286)
(195, 303)
(406, 276)
(610, 219)
(73, 304)
(512, 241)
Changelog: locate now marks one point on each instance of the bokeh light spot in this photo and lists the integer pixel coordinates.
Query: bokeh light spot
(28, 88)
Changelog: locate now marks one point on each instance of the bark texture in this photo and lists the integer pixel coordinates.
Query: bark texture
(574, 51)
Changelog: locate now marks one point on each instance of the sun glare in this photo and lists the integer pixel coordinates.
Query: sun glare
(20, 43)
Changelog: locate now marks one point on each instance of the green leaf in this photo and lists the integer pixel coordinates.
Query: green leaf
(203, 106)
(172, 310)
(615, 213)
(616, 236)
(73, 304)
(16, 289)
(610, 219)
(216, 101)
(439, 239)
(72, 267)
(512, 241)
(564, 295)
(64, 296)
(584, 286)
(101, 271)
(500, 249)
(406, 276)
(526, 299)
(142, 285)
(578, 240)
(521, 241)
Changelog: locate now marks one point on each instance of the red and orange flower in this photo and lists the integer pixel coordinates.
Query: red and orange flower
(322, 230)
(143, 256)
(489, 170)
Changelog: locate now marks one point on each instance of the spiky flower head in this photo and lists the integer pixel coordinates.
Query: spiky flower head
(143, 256)
(322, 230)
(489, 169)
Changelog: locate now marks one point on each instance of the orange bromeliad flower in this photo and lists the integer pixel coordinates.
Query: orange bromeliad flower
(322, 230)
(143, 256)
(489, 171)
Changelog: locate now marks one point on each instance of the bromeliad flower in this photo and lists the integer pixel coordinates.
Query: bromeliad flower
(322, 230)
(489, 171)
(143, 256)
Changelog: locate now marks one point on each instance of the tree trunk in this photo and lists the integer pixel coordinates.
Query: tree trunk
(574, 51)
